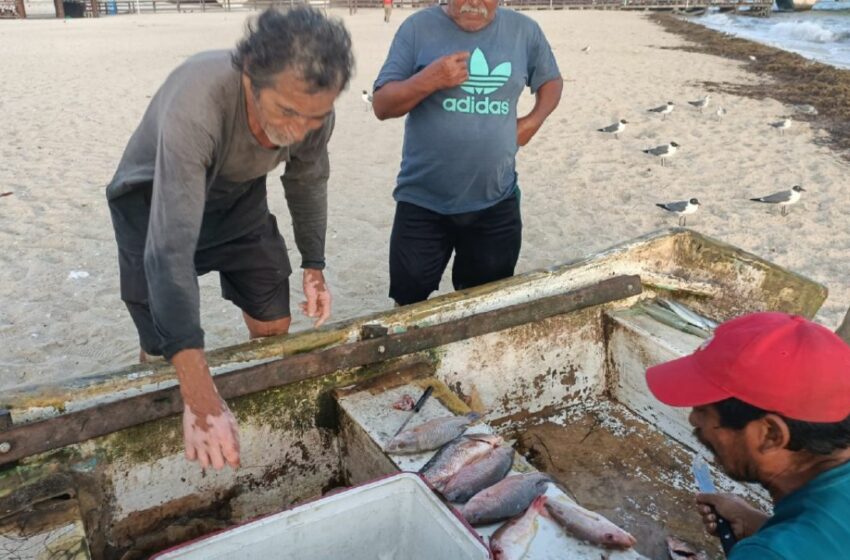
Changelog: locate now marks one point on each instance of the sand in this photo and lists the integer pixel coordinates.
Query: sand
(72, 93)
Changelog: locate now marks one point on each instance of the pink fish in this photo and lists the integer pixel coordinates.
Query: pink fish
(511, 540)
(588, 525)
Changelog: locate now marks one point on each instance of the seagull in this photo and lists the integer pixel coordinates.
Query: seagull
(367, 99)
(701, 103)
(664, 151)
(720, 113)
(586, 50)
(681, 209)
(782, 125)
(615, 128)
(663, 110)
(754, 59)
(783, 198)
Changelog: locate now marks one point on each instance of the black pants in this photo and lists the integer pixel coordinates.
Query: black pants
(486, 246)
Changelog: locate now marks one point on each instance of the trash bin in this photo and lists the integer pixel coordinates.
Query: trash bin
(74, 9)
(111, 7)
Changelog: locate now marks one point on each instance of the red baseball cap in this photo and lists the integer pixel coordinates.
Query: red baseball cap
(774, 361)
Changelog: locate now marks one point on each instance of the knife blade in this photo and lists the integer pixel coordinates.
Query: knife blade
(706, 485)
(416, 408)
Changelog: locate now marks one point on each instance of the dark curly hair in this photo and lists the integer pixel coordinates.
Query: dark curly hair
(300, 38)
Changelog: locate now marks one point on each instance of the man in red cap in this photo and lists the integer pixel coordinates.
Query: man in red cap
(771, 399)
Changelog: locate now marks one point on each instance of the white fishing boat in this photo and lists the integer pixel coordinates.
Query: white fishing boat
(554, 359)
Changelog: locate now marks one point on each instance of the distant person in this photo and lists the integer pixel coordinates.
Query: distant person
(457, 72)
(771, 399)
(388, 10)
(189, 197)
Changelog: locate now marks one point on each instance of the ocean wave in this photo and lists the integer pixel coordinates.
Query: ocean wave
(804, 31)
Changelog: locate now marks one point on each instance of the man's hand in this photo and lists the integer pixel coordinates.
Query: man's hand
(213, 440)
(526, 128)
(448, 71)
(318, 304)
(209, 428)
(744, 519)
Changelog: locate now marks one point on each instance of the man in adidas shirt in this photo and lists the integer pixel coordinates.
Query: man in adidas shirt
(457, 72)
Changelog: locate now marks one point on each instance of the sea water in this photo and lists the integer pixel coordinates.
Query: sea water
(821, 34)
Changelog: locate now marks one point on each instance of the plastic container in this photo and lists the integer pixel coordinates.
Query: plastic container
(394, 517)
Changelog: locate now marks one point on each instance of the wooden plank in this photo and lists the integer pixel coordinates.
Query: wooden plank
(74, 427)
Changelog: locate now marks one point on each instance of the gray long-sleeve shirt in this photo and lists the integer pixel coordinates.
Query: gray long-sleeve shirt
(197, 163)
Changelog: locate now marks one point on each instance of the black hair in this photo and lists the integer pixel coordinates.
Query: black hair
(820, 438)
(301, 39)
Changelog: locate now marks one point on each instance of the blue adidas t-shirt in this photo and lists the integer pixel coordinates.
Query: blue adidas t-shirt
(812, 523)
(460, 144)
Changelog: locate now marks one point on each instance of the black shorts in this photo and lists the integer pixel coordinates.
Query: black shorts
(486, 244)
(253, 270)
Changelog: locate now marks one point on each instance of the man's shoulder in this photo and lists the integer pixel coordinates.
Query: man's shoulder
(429, 16)
(517, 19)
(204, 87)
(206, 68)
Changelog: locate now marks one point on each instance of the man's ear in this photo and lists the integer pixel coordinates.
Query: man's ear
(771, 433)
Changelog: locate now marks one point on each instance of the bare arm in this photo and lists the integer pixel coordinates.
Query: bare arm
(396, 99)
(546, 100)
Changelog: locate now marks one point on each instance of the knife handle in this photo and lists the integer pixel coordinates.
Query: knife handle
(423, 398)
(724, 531)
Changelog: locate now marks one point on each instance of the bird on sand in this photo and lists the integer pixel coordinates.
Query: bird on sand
(663, 110)
(681, 208)
(663, 151)
(782, 125)
(701, 103)
(720, 113)
(615, 128)
(367, 99)
(586, 50)
(783, 198)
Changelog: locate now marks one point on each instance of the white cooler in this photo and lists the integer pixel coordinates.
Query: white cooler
(394, 517)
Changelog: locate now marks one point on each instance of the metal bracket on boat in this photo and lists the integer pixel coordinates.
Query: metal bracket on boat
(373, 330)
(5, 424)
(81, 425)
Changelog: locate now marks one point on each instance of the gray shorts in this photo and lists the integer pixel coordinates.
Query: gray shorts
(253, 270)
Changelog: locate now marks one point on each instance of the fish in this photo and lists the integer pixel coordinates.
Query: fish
(431, 435)
(454, 455)
(483, 473)
(588, 525)
(680, 550)
(505, 499)
(511, 540)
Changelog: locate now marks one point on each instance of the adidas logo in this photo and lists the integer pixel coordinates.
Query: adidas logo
(482, 80)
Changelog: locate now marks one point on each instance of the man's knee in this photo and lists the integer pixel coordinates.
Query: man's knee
(262, 329)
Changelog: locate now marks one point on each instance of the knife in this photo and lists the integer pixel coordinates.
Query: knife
(416, 408)
(706, 485)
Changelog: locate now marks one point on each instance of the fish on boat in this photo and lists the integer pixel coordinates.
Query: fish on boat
(588, 525)
(481, 474)
(455, 455)
(511, 540)
(431, 435)
(507, 498)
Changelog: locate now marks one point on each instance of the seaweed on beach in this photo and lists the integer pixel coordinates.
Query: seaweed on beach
(792, 79)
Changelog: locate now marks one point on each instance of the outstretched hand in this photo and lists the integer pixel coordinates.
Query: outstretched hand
(318, 304)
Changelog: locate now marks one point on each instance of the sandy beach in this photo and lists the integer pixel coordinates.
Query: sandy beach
(73, 91)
